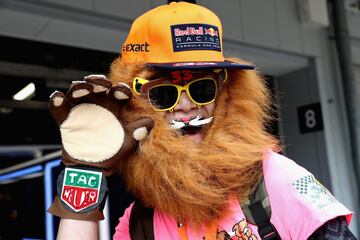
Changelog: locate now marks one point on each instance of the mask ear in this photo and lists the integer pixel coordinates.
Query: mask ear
(223, 74)
(137, 84)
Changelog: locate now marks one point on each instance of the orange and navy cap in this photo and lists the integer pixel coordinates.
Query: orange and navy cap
(177, 36)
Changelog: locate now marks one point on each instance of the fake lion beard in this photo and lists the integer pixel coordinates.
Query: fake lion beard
(193, 181)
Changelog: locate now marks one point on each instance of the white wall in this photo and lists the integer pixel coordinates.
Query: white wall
(102, 24)
(272, 24)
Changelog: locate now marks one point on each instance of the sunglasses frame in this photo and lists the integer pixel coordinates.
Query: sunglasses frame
(141, 82)
(181, 88)
(147, 85)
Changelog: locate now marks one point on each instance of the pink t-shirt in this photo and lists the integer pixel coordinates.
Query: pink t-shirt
(299, 206)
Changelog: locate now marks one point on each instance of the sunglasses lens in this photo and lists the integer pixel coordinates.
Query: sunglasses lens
(203, 91)
(163, 96)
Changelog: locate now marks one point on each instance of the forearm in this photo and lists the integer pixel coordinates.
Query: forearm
(336, 229)
(76, 229)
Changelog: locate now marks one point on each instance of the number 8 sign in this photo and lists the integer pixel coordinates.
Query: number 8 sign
(310, 118)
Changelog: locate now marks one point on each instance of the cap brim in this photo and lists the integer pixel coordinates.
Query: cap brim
(200, 65)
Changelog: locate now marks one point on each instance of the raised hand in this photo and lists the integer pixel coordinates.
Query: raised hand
(94, 140)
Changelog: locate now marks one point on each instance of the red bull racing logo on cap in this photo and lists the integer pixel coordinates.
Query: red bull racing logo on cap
(187, 37)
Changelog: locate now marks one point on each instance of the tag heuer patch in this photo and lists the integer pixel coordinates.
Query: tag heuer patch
(81, 190)
(314, 191)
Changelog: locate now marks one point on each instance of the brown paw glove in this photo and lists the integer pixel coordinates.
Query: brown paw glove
(94, 140)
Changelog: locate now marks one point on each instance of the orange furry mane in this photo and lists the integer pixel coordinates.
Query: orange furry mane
(172, 174)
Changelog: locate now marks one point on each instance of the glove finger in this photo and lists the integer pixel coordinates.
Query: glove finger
(140, 128)
(59, 106)
(79, 90)
(120, 92)
(99, 82)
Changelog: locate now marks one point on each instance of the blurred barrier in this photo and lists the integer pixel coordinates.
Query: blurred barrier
(47, 167)
(49, 197)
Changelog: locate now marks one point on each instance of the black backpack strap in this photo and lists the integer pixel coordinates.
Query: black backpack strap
(257, 210)
(141, 222)
(266, 230)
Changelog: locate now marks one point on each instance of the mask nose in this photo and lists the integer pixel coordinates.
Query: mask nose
(185, 104)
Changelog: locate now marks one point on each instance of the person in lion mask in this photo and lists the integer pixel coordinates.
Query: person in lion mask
(186, 127)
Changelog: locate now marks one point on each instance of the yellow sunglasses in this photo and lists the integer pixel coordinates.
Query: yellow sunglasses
(164, 95)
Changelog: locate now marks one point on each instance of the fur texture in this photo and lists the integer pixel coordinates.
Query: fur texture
(194, 181)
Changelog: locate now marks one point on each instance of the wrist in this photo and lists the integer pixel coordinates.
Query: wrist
(81, 194)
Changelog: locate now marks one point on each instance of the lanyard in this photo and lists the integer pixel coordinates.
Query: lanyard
(210, 231)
